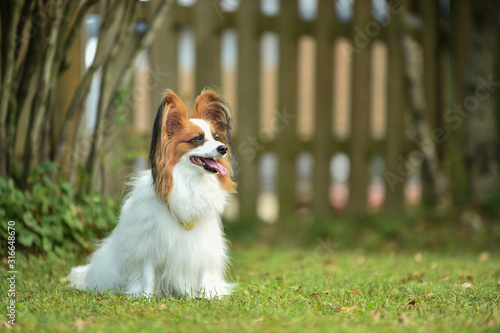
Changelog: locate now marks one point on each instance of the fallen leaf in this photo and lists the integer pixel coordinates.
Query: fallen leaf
(445, 277)
(489, 322)
(80, 324)
(484, 256)
(63, 280)
(418, 257)
(332, 262)
(355, 291)
(376, 315)
(253, 273)
(403, 319)
(360, 260)
(413, 276)
(6, 324)
(296, 289)
(317, 293)
(349, 309)
(466, 285)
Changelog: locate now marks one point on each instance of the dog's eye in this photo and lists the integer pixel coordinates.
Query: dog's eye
(199, 138)
(216, 137)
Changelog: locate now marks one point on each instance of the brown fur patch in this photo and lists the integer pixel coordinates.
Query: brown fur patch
(225, 181)
(215, 110)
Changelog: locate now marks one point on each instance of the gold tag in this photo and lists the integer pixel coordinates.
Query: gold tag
(189, 225)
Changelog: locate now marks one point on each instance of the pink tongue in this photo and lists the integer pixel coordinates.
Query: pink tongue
(216, 166)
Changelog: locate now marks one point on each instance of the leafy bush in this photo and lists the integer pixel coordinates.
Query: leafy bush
(48, 218)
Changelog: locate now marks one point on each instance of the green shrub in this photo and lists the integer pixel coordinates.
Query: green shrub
(48, 218)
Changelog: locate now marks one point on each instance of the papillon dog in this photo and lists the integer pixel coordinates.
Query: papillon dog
(169, 238)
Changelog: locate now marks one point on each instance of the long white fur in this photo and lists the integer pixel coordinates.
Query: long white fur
(151, 251)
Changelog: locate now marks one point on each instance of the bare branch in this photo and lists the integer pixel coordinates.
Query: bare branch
(125, 29)
(74, 28)
(145, 42)
(5, 94)
(45, 84)
(103, 57)
(84, 87)
(24, 39)
(61, 50)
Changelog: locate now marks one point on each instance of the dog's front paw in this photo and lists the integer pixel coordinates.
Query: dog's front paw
(210, 293)
(214, 288)
(139, 294)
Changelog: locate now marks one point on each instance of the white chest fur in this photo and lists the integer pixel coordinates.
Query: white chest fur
(196, 196)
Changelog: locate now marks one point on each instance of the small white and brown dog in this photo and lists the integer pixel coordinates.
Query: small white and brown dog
(170, 238)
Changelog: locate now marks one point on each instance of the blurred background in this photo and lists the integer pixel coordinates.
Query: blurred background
(349, 115)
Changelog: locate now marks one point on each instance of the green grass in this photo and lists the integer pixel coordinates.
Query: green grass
(282, 289)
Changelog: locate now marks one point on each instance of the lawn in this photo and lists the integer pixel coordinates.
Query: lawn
(285, 289)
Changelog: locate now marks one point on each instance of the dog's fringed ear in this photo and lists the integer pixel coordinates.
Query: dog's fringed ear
(171, 116)
(214, 109)
(174, 114)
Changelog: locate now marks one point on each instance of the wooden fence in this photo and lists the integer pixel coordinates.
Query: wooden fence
(208, 21)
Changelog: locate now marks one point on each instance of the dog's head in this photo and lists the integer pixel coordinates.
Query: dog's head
(201, 143)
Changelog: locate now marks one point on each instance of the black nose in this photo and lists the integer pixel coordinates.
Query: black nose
(222, 149)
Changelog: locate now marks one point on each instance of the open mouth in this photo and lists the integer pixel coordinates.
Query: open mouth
(209, 164)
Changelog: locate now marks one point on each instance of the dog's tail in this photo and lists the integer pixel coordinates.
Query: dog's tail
(78, 277)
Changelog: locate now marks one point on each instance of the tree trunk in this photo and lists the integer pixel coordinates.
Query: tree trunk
(111, 84)
(5, 91)
(36, 37)
(45, 86)
(479, 102)
(426, 138)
